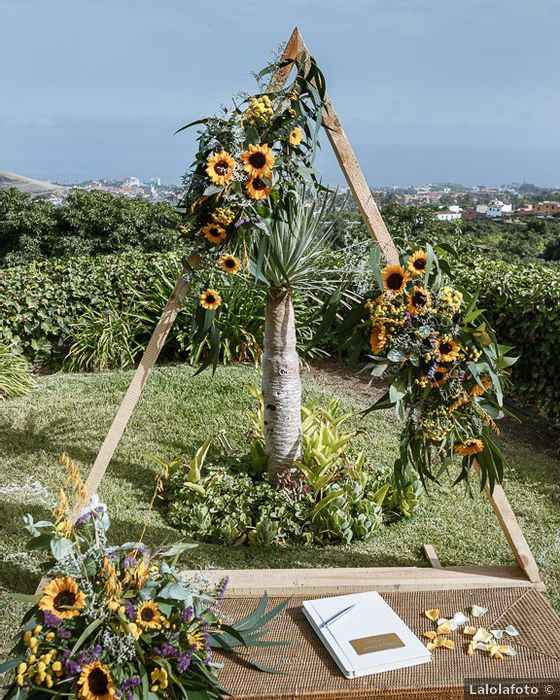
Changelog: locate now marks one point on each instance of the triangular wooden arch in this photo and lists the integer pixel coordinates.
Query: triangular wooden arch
(288, 580)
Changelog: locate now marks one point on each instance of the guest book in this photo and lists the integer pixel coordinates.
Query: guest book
(364, 635)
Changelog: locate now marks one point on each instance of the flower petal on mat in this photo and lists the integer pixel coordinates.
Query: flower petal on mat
(478, 611)
(510, 629)
(430, 635)
(445, 643)
(498, 634)
(459, 619)
(432, 614)
(507, 650)
(469, 630)
(445, 628)
(471, 648)
(482, 635)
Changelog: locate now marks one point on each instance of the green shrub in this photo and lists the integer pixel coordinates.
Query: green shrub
(522, 302)
(15, 374)
(331, 496)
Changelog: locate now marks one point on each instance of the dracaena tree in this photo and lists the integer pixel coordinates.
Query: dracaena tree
(291, 257)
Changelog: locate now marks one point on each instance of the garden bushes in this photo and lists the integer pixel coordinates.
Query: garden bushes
(522, 302)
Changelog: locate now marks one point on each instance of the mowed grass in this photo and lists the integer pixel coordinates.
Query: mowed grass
(72, 413)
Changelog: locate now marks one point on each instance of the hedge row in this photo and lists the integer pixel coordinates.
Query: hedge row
(522, 301)
(40, 303)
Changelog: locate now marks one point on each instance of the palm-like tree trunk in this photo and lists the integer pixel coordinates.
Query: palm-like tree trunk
(281, 384)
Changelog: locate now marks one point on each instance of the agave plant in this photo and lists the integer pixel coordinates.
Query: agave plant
(290, 257)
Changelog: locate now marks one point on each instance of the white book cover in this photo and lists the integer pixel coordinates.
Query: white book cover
(369, 638)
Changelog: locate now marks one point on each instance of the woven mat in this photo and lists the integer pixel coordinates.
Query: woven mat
(309, 673)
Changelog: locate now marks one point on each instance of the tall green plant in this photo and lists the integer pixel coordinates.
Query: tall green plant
(15, 373)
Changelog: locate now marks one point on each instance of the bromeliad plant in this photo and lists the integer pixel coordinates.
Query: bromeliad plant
(120, 622)
(445, 366)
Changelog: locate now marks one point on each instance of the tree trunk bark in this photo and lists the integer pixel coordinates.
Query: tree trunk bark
(281, 384)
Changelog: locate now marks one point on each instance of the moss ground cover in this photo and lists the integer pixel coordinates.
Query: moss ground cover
(71, 412)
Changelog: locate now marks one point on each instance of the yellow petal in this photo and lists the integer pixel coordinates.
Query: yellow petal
(447, 643)
(432, 614)
(471, 648)
(430, 635)
(444, 628)
(469, 631)
(498, 656)
(430, 646)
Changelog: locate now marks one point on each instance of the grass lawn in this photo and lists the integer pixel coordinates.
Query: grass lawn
(72, 413)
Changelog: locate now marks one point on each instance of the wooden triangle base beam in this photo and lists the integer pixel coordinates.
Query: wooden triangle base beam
(295, 579)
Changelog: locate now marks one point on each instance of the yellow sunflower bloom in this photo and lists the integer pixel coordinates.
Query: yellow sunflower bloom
(220, 168)
(210, 299)
(149, 616)
(394, 278)
(448, 349)
(229, 264)
(96, 683)
(419, 301)
(258, 160)
(295, 136)
(257, 188)
(63, 598)
(223, 216)
(417, 263)
(214, 233)
(472, 446)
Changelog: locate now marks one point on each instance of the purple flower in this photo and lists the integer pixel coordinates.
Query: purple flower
(50, 620)
(184, 661)
(432, 370)
(221, 589)
(63, 633)
(187, 614)
(130, 610)
(72, 668)
(127, 685)
(168, 650)
(91, 654)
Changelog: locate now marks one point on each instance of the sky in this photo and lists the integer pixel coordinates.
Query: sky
(427, 90)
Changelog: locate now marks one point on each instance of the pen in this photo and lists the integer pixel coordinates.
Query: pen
(337, 616)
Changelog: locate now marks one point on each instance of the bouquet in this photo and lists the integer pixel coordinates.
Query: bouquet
(120, 622)
(445, 366)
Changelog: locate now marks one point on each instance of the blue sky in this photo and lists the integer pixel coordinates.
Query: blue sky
(439, 90)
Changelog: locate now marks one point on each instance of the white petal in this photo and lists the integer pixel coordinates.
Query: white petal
(478, 611)
(498, 634)
(510, 629)
(460, 619)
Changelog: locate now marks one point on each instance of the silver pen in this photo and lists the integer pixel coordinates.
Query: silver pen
(337, 616)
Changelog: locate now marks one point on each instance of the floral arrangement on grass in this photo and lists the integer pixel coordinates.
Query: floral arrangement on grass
(249, 161)
(445, 365)
(119, 622)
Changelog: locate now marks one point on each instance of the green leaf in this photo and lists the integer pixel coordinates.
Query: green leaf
(89, 630)
(10, 664)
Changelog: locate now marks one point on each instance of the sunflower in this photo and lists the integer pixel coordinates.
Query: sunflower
(149, 615)
(229, 264)
(378, 338)
(96, 682)
(448, 349)
(63, 598)
(439, 376)
(220, 168)
(418, 301)
(210, 299)
(258, 160)
(471, 446)
(417, 263)
(257, 188)
(394, 278)
(295, 136)
(214, 233)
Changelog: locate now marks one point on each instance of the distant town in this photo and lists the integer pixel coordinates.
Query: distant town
(451, 202)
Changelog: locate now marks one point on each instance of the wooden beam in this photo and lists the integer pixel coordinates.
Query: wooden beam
(513, 533)
(408, 578)
(432, 556)
(134, 391)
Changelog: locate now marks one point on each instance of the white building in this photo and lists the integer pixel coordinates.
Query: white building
(448, 215)
(496, 209)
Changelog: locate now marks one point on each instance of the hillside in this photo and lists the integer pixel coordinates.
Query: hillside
(35, 188)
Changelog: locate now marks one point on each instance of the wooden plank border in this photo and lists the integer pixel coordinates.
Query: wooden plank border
(372, 216)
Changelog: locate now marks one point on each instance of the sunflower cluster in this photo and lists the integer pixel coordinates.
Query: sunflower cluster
(247, 159)
(116, 622)
(444, 363)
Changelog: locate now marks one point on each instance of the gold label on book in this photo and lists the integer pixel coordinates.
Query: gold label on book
(379, 642)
